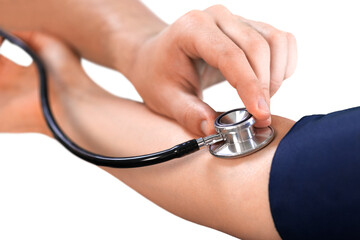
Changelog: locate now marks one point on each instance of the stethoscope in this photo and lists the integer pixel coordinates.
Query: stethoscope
(236, 135)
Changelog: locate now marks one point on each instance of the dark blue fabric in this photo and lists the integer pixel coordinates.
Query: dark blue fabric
(314, 187)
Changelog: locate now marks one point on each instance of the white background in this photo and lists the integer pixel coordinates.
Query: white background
(46, 193)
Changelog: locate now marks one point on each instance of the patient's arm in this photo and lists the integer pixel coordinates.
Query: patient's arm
(230, 195)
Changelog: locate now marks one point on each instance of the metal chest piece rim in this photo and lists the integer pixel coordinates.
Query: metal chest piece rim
(241, 138)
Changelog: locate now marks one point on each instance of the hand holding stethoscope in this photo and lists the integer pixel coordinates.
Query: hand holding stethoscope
(203, 48)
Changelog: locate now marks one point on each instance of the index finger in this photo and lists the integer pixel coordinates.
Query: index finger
(208, 42)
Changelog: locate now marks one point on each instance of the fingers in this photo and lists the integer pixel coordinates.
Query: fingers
(205, 40)
(248, 40)
(283, 52)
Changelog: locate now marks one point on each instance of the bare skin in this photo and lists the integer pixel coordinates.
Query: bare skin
(169, 65)
(228, 195)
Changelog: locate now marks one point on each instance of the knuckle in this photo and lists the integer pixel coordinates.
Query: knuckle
(276, 80)
(218, 8)
(291, 39)
(260, 45)
(274, 87)
(193, 17)
(265, 88)
(278, 36)
(275, 84)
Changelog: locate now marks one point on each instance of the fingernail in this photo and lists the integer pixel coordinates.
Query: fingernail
(203, 126)
(263, 106)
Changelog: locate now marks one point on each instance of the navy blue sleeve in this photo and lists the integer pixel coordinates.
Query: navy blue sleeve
(314, 186)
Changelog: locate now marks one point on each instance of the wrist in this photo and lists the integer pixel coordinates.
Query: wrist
(125, 46)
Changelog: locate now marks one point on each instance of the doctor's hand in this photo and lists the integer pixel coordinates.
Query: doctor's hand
(201, 48)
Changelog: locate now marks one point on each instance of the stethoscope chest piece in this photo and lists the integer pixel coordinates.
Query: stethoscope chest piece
(241, 138)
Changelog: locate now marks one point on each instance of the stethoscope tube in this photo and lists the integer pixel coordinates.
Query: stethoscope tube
(177, 151)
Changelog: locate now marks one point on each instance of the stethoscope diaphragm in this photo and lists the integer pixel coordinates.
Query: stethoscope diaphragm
(236, 136)
(241, 138)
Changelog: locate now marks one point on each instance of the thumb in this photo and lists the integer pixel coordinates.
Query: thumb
(191, 112)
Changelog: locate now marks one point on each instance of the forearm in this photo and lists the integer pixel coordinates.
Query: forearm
(229, 195)
(105, 31)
